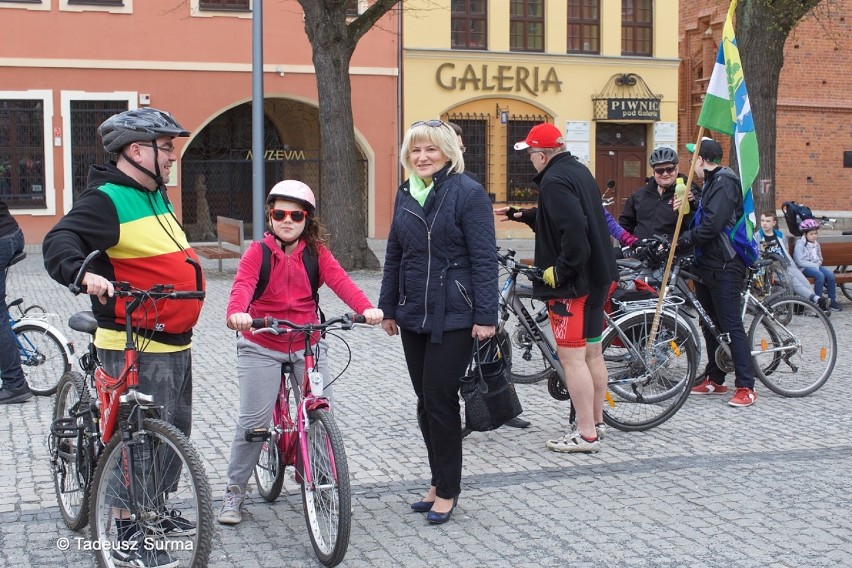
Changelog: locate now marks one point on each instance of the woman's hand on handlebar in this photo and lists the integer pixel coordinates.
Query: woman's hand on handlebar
(240, 321)
(373, 316)
(99, 286)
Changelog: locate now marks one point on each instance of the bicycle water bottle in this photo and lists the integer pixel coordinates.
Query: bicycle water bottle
(316, 382)
(680, 192)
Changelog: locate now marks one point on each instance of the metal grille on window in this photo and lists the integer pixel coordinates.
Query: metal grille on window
(475, 136)
(236, 5)
(22, 153)
(86, 145)
(520, 187)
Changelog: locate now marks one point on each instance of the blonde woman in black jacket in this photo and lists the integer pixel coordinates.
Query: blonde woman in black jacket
(439, 292)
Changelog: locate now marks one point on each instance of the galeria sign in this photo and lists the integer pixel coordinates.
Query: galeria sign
(500, 78)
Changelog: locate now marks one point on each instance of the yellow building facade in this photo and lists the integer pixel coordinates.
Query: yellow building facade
(498, 67)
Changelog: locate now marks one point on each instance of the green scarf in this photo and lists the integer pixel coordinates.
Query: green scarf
(419, 190)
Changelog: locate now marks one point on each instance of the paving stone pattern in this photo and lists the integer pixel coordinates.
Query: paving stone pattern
(766, 486)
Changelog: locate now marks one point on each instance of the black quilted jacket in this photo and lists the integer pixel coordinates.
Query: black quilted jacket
(440, 269)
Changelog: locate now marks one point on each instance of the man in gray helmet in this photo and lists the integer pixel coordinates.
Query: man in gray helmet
(125, 213)
(651, 209)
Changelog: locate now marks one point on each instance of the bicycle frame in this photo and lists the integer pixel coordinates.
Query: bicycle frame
(509, 301)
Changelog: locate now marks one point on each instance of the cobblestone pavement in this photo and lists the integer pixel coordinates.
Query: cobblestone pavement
(766, 486)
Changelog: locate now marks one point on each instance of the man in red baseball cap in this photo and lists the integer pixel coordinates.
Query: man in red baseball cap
(572, 244)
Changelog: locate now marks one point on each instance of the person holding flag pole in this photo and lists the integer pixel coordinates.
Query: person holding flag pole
(725, 216)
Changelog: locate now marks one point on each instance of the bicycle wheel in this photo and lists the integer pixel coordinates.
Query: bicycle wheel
(269, 469)
(646, 388)
(527, 364)
(794, 347)
(172, 498)
(327, 502)
(71, 451)
(43, 358)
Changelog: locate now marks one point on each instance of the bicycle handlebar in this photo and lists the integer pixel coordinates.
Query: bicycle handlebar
(508, 260)
(277, 326)
(157, 291)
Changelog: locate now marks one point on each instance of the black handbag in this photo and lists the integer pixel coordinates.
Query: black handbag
(489, 396)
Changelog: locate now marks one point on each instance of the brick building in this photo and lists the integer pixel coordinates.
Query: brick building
(814, 117)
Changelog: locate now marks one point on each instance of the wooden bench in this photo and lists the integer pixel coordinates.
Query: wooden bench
(836, 251)
(229, 233)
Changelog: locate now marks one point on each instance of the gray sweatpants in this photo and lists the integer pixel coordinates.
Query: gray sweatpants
(259, 372)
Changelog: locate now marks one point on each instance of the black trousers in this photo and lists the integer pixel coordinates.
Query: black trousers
(719, 295)
(435, 370)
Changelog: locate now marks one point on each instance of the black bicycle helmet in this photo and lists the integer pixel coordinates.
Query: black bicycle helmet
(137, 125)
(663, 155)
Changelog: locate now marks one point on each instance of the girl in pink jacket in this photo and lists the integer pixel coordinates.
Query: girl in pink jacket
(294, 234)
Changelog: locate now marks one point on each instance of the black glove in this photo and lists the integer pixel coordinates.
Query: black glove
(684, 242)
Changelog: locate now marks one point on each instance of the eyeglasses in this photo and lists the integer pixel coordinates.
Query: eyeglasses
(531, 152)
(667, 170)
(281, 214)
(169, 149)
(432, 123)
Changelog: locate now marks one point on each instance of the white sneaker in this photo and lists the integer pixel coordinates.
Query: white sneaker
(600, 430)
(232, 505)
(573, 443)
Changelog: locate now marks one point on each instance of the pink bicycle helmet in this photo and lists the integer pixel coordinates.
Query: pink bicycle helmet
(808, 225)
(293, 190)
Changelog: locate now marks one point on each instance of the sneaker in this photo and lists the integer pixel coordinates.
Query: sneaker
(232, 506)
(835, 307)
(14, 396)
(743, 397)
(600, 430)
(823, 304)
(133, 552)
(575, 443)
(708, 387)
(170, 523)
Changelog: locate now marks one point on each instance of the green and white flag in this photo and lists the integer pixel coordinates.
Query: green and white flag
(726, 109)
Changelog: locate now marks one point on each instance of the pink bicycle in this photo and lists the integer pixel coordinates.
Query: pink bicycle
(303, 434)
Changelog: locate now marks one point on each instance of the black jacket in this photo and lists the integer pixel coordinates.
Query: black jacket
(570, 230)
(440, 269)
(721, 205)
(647, 213)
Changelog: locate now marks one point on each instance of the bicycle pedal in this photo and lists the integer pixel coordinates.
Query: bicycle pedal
(257, 435)
(65, 427)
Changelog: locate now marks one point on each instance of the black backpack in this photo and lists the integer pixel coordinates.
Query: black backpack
(311, 262)
(794, 214)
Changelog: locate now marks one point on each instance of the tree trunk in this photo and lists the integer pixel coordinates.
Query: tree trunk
(762, 27)
(342, 210)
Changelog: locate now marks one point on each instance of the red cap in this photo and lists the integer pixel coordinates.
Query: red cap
(543, 135)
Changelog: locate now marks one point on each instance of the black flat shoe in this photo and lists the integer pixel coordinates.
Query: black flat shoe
(441, 518)
(422, 506)
(518, 422)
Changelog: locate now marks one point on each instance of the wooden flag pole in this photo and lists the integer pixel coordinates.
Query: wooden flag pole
(665, 284)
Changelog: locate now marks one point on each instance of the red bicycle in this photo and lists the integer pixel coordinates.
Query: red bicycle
(114, 461)
(303, 434)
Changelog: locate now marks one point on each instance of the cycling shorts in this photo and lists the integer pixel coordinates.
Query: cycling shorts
(576, 320)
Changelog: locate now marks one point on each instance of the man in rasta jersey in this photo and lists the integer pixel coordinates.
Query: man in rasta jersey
(125, 213)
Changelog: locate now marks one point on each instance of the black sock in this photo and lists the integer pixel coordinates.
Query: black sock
(125, 528)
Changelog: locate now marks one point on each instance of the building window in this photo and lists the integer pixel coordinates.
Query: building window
(469, 22)
(22, 167)
(520, 187)
(96, 2)
(584, 26)
(526, 30)
(26, 4)
(227, 5)
(637, 17)
(352, 10)
(87, 148)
